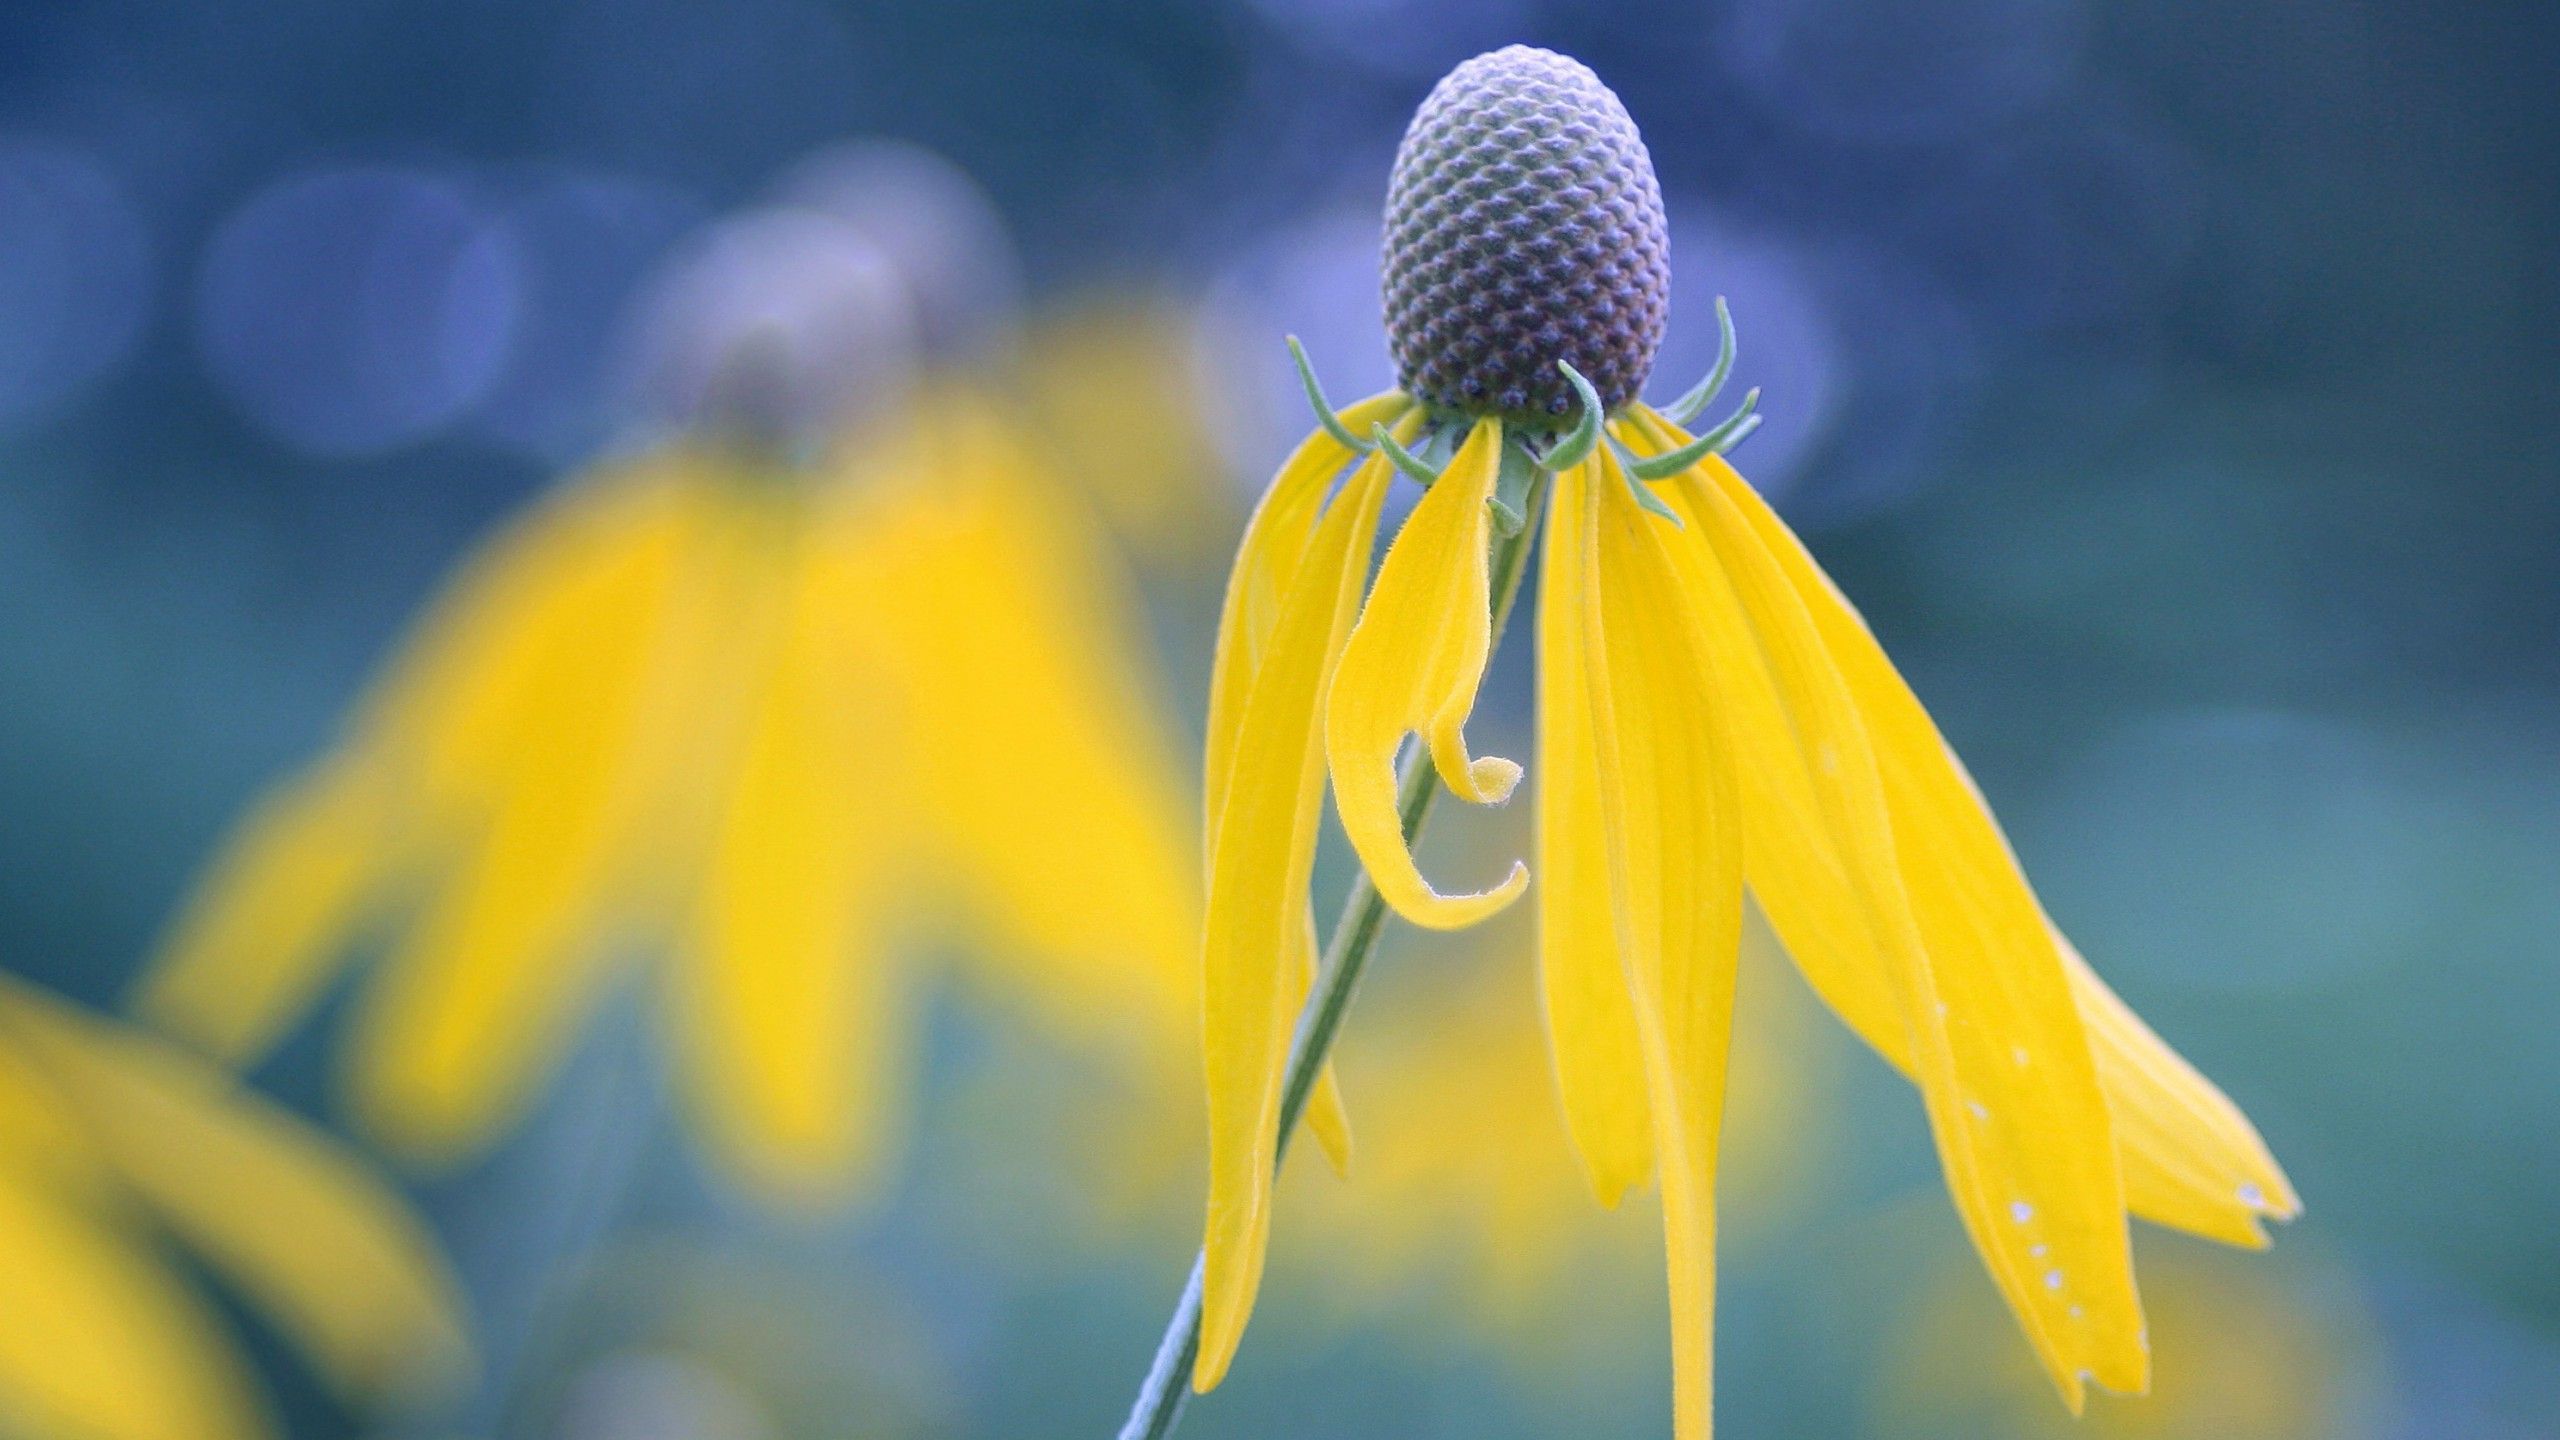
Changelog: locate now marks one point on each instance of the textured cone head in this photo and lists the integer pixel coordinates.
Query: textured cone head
(1524, 226)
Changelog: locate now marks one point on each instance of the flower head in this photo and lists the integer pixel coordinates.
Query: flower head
(827, 662)
(1712, 716)
(112, 1146)
(1524, 227)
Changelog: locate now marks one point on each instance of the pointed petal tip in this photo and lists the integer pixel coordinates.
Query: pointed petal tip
(1610, 1190)
(1209, 1366)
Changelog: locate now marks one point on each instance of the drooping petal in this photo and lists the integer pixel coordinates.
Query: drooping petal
(1262, 861)
(789, 998)
(1275, 541)
(1412, 666)
(447, 715)
(1591, 1025)
(96, 1339)
(323, 1248)
(431, 751)
(1671, 812)
(2193, 1160)
(1044, 777)
(272, 919)
(475, 1000)
(2003, 1058)
(2190, 1159)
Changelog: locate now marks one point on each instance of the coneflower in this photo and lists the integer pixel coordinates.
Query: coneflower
(1713, 716)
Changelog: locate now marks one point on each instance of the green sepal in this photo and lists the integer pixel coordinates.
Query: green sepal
(1405, 460)
(1686, 408)
(1715, 442)
(1325, 416)
(1576, 445)
(1636, 486)
(1511, 484)
(1439, 445)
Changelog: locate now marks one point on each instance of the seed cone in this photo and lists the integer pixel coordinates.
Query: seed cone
(1524, 226)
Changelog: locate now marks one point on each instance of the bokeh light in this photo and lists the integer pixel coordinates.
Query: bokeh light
(76, 281)
(353, 311)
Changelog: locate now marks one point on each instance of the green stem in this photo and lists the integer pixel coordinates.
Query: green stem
(1364, 912)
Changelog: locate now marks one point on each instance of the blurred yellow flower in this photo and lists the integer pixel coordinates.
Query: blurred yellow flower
(1712, 715)
(2241, 1352)
(113, 1145)
(760, 724)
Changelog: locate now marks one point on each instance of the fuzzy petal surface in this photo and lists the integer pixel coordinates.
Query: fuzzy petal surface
(1671, 811)
(1412, 667)
(1591, 1021)
(1262, 859)
(2002, 1056)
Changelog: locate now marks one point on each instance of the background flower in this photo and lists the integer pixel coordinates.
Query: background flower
(119, 1155)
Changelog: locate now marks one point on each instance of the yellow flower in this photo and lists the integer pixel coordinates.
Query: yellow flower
(111, 1146)
(747, 709)
(1713, 715)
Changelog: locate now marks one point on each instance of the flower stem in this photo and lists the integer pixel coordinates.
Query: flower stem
(1364, 912)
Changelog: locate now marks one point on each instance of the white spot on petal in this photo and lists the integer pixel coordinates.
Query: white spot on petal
(2037, 1252)
(1980, 1110)
(2053, 1279)
(2021, 1211)
(2077, 1312)
(2252, 1196)
(2020, 1055)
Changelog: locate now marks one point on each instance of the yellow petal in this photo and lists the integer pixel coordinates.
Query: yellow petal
(1591, 1024)
(475, 1002)
(2003, 1058)
(1326, 1119)
(1412, 666)
(2202, 1167)
(1049, 785)
(98, 1340)
(1262, 861)
(432, 750)
(1672, 817)
(2190, 1159)
(322, 1247)
(448, 713)
(788, 997)
(1275, 541)
(274, 915)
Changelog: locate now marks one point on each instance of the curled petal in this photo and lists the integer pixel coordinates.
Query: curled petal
(1412, 665)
